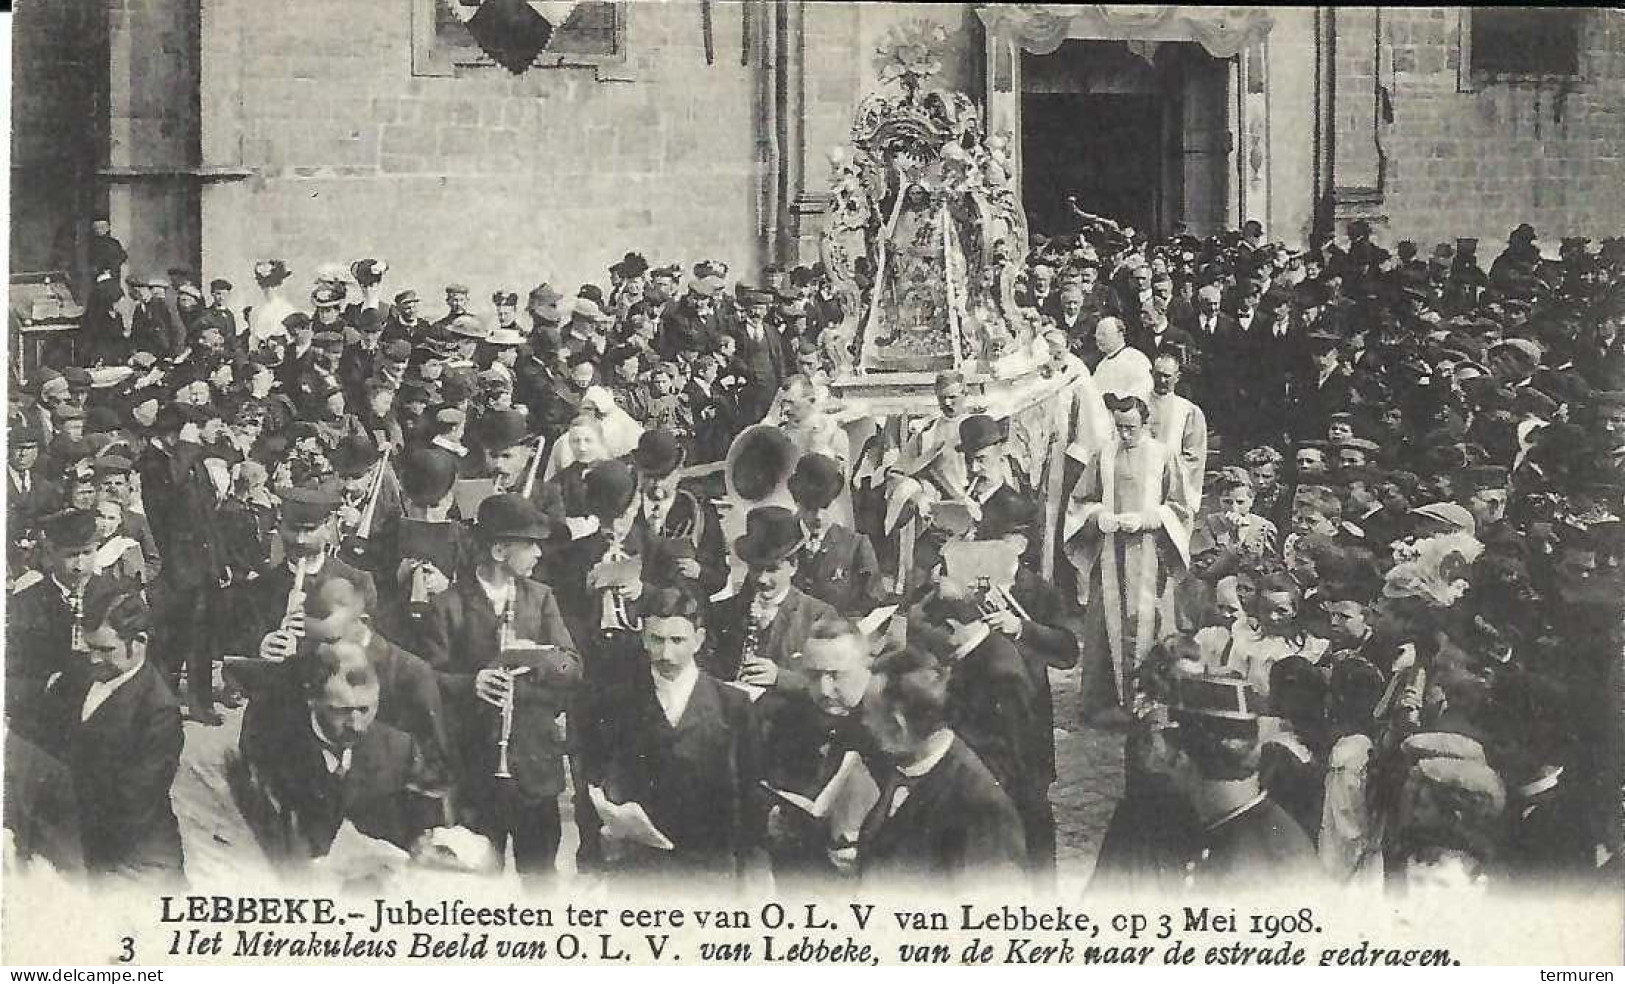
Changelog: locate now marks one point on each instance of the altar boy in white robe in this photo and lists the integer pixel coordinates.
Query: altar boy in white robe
(1127, 532)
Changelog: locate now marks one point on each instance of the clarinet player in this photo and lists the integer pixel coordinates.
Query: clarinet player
(507, 668)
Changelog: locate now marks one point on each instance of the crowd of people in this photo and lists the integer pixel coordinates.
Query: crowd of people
(1340, 553)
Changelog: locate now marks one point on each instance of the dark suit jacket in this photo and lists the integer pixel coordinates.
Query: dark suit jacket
(993, 708)
(802, 748)
(783, 638)
(123, 761)
(39, 635)
(179, 498)
(459, 639)
(695, 523)
(955, 825)
(261, 603)
(695, 780)
(1048, 638)
(844, 573)
(380, 794)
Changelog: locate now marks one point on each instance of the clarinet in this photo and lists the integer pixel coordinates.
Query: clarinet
(504, 633)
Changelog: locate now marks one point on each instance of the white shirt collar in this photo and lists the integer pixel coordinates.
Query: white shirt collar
(338, 761)
(774, 603)
(101, 690)
(674, 695)
(499, 597)
(1545, 782)
(936, 749)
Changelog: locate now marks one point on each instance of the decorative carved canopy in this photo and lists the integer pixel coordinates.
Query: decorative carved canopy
(1041, 28)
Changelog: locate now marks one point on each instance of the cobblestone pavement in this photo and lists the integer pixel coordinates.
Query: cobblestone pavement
(1089, 767)
(1089, 764)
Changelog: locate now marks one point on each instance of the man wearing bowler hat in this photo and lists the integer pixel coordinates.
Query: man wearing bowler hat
(182, 507)
(837, 565)
(509, 451)
(672, 513)
(496, 638)
(762, 350)
(760, 631)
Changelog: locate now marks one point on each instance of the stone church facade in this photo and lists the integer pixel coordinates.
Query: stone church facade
(217, 132)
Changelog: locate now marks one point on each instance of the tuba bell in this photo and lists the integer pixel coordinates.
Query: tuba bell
(760, 462)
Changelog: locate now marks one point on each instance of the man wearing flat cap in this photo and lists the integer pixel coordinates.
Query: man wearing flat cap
(1209, 750)
(45, 614)
(760, 631)
(837, 565)
(672, 513)
(497, 638)
(272, 605)
(456, 305)
(690, 324)
(403, 323)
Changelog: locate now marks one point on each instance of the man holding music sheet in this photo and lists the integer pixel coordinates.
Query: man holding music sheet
(816, 793)
(507, 667)
(673, 773)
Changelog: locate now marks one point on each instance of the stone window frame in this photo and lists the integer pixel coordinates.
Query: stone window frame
(432, 57)
(1469, 80)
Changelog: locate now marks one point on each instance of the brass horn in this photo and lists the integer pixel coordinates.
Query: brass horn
(760, 462)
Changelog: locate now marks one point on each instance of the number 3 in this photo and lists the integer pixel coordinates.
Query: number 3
(128, 943)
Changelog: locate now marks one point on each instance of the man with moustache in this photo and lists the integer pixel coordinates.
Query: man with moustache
(837, 565)
(760, 630)
(683, 746)
(273, 612)
(806, 739)
(496, 638)
(672, 513)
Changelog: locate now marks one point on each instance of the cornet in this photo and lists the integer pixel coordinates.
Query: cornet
(996, 599)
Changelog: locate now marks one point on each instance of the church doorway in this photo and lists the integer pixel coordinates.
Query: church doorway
(1137, 132)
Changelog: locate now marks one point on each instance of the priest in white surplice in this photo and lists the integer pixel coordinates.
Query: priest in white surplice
(1127, 532)
(1180, 424)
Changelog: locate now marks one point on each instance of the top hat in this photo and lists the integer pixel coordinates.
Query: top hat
(658, 453)
(772, 534)
(979, 431)
(816, 482)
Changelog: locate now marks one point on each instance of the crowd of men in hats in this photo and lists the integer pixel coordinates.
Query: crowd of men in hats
(1343, 559)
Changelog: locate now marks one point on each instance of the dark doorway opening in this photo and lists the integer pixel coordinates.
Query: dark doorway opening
(1106, 150)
